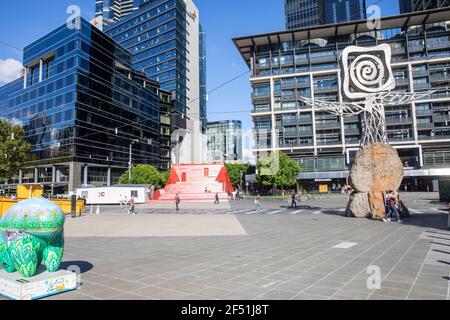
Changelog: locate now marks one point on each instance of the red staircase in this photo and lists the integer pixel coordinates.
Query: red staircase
(196, 183)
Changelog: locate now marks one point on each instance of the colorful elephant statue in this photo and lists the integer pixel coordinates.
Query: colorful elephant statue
(31, 232)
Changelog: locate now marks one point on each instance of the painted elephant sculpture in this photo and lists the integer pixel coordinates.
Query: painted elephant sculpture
(31, 233)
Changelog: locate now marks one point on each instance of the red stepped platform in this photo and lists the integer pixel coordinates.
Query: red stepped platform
(190, 182)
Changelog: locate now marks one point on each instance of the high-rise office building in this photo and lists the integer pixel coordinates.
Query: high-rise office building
(420, 5)
(203, 86)
(286, 67)
(336, 11)
(225, 141)
(108, 11)
(165, 40)
(83, 107)
(303, 13)
(306, 13)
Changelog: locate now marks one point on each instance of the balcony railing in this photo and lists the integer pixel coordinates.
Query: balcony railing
(425, 125)
(439, 77)
(328, 125)
(428, 112)
(415, 47)
(398, 120)
(438, 45)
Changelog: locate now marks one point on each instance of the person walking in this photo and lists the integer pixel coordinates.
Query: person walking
(216, 201)
(294, 200)
(392, 208)
(125, 203)
(258, 202)
(177, 201)
(121, 201)
(132, 206)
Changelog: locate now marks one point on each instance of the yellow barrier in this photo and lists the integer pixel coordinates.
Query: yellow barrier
(25, 191)
(65, 205)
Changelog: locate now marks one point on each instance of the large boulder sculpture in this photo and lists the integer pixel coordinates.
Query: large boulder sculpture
(31, 232)
(376, 169)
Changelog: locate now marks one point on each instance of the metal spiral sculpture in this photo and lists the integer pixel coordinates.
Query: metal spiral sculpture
(367, 82)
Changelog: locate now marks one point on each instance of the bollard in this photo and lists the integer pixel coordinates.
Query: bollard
(98, 210)
(91, 211)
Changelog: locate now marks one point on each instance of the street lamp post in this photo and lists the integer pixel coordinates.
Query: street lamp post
(130, 163)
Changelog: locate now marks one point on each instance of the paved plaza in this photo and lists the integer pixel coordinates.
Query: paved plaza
(312, 252)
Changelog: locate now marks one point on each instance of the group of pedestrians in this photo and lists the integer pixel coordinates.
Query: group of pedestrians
(129, 205)
(392, 207)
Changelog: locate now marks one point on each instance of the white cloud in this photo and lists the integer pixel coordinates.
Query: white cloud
(9, 70)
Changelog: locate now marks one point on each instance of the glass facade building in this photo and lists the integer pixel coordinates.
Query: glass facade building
(420, 5)
(203, 87)
(113, 10)
(225, 140)
(306, 13)
(344, 10)
(305, 62)
(167, 43)
(156, 36)
(82, 104)
(303, 13)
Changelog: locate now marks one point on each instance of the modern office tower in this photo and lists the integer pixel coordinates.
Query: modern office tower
(108, 11)
(306, 13)
(83, 108)
(336, 11)
(420, 5)
(225, 141)
(303, 13)
(203, 87)
(164, 40)
(286, 65)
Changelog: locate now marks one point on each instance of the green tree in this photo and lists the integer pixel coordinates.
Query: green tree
(235, 170)
(145, 174)
(276, 169)
(14, 150)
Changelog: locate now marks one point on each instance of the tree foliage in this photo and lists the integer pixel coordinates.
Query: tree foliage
(14, 150)
(235, 170)
(276, 169)
(146, 175)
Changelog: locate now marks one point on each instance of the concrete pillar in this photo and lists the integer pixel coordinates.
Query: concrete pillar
(36, 173)
(20, 176)
(53, 174)
(85, 174)
(53, 180)
(74, 176)
(58, 175)
(108, 178)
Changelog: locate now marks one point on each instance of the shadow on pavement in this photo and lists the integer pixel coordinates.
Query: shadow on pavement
(428, 220)
(83, 265)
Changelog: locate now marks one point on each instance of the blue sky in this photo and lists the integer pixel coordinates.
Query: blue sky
(25, 21)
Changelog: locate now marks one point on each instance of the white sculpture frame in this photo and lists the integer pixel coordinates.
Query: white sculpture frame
(370, 91)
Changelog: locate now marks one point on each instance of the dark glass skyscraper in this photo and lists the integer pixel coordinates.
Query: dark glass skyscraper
(419, 5)
(165, 40)
(336, 11)
(306, 13)
(303, 13)
(203, 88)
(82, 104)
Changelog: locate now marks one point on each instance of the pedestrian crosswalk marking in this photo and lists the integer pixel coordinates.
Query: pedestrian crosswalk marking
(295, 212)
(275, 212)
(316, 212)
